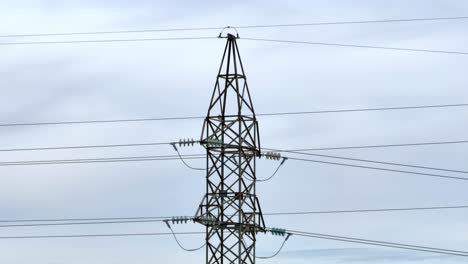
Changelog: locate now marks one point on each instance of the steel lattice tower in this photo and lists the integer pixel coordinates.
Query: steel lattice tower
(230, 209)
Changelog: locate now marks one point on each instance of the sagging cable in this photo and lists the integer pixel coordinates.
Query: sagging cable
(274, 173)
(280, 233)
(184, 143)
(178, 242)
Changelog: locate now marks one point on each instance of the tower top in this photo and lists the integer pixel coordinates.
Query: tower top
(231, 95)
(231, 116)
(229, 35)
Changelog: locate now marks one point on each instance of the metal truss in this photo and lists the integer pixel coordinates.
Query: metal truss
(230, 209)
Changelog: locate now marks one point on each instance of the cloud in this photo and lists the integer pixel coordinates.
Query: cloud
(156, 79)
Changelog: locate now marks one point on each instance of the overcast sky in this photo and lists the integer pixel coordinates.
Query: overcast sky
(158, 79)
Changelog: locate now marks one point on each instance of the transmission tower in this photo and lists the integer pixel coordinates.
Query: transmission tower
(230, 209)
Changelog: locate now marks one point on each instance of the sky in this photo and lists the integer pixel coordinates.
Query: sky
(70, 82)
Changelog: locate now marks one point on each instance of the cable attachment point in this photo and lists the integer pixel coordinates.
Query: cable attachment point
(173, 144)
(229, 35)
(283, 161)
(185, 142)
(206, 220)
(279, 232)
(181, 220)
(167, 224)
(213, 143)
(273, 156)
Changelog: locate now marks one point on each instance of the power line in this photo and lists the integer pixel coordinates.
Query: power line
(100, 159)
(178, 242)
(101, 121)
(355, 22)
(298, 233)
(100, 41)
(167, 143)
(376, 241)
(84, 223)
(183, 161)
(369, 210)
(194, 156)
(274, 173)
(87, 219)
(190, 156)
(111, 32)
(357, 46)
(381, 243)
(364, 109)
(97, 160)
(162, 218)
(261, 114)
(368, 161)
(239, 27)
(382, 169)
(86, 146)
(278, 251)
(100, 235)
(385, 146)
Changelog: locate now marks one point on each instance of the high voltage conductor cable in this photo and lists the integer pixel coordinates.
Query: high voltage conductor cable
(381, 243)
(93, 159)
(273, 156)
(356, 22)
(102, 121)
(369, 161)
(196, 156)
(357, 46)
(364, 109)
(241, 26)
(278, 251)
(182, 159)
(369, 210)
(162, 218)
(259, 114)
(193, 156)
(110, 32)
(187, 165)
(297, 233)
(99, 235)
(100, 41)
(82, 223)
(97, 160)
(274, 173)
(168, 143)
(381, 169)
(87, 219)
(178, 242)
(385, 146)
(86, 146)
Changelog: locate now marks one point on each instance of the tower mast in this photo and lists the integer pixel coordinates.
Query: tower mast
(230, 209)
